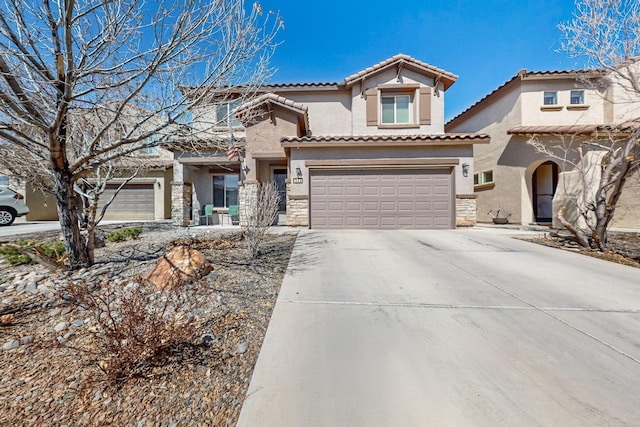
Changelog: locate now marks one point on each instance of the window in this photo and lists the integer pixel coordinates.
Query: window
(483, 180)
(551, 98)
(577, 97)
(395, 109)
(225, 190)
(225, 116)
(4, 181)
(150, 151)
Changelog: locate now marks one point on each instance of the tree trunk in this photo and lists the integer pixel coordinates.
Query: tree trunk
(580, 237)
(74, 242)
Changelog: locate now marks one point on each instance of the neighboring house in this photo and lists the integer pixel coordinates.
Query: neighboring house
(145, 197)
(368, 152)
(550, 106)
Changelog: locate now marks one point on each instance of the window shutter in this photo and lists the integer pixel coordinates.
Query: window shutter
(425, 105)
(372, 107)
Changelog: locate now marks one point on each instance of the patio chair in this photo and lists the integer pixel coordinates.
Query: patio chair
(234, 214)
(207, 213)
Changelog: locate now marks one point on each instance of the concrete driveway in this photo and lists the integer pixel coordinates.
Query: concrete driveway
(465, 327)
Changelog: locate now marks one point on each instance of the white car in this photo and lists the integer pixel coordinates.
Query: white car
(12, 205)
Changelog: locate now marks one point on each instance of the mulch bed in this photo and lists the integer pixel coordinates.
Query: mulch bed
(623, 247)
(203, 383)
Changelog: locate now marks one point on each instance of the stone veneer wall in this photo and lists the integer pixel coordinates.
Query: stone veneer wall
(297, 210)
(181, 203)
(465, 210)
(247, 196)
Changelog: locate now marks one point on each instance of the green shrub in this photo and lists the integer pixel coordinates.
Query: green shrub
(124, 234)
(14, 256)
(17, 254)
(53, 248)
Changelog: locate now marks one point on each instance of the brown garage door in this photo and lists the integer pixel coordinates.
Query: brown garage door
(381, 199)
(134, 201)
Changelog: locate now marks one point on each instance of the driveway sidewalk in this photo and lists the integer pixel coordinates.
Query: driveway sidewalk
(464, 327)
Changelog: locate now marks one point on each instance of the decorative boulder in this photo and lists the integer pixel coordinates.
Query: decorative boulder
(180, 266)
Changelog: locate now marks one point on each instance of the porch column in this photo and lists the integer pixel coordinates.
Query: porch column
(248, 194)
(466, 210)
(181, 203)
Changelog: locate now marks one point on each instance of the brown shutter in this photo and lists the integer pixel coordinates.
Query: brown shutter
(372, 107)
(425, 105)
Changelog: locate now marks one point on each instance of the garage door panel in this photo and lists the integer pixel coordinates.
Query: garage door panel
(133, 201)
(370, 190)
(384, 198)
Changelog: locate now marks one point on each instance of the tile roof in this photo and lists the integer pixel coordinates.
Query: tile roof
(271, 98)
(417, 139)
(403, 60)
(628, 126)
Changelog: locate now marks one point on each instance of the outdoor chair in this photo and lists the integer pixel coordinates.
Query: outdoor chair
(207, 213)
(234, 214)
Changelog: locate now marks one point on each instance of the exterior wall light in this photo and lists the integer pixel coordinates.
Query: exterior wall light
(298, 173)
(465, 169)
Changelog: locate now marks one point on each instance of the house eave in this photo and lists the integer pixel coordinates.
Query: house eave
(384, 140)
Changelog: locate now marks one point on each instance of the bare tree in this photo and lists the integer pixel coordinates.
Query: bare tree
(260, 213)
(86, 84)
(601, 163)
(606, 35)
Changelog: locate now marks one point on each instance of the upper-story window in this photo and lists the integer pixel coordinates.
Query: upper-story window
(225, 116)
(398, 105)
(551, 98)
(150, 150)
(577, 97)
(396, 109)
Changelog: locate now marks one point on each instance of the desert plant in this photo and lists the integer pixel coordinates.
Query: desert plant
(14, 256)
(124, 234)
(259, 216)
(49, 253)
(135, 326)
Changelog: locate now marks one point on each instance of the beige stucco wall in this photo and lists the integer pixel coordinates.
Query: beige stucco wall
(329, 112)
(534, 112)
(509, 192)
(343, 112)
(359, 111)
(299, 156)
(263, 142)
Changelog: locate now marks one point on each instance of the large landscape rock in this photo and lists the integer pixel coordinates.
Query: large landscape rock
(180, 266)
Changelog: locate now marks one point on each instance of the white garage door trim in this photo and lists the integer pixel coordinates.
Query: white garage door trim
(381, 198)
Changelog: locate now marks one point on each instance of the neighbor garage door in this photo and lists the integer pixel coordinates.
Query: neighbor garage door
(381, 199)
(134, 201)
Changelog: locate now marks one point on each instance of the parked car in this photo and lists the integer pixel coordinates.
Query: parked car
(12, 205)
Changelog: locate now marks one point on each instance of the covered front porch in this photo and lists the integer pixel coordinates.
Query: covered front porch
(213, 189)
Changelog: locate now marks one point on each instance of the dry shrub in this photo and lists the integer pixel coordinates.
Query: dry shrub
(136, 327)
(259, 216)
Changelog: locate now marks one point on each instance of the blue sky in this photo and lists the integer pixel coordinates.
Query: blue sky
(484, 42)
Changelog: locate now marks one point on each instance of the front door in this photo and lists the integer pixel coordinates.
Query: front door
(280, 178)
(544, 183)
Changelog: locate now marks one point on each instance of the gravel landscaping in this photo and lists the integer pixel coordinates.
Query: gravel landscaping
(50, 376)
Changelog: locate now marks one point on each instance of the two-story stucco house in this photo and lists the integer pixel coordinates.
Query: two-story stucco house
(555, 108)
(368, 152)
